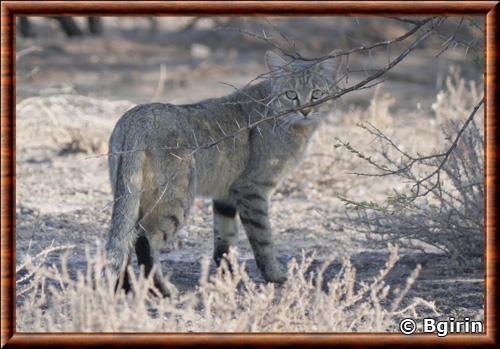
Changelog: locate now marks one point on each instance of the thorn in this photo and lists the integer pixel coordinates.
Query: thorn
(215, 143)
(177, 156)
(220, 128)
(388, 55)
(263, 116)
(195, 139)
(260, 132)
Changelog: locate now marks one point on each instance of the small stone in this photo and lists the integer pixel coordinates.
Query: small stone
(200, 51)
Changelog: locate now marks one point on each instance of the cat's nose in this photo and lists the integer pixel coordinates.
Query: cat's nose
(305, 111)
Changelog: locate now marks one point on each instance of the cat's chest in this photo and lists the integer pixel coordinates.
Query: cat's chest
(287, 145)
(281, 156)
(279, 164)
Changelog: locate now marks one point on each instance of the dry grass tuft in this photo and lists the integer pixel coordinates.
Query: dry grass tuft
(56, 301)
(79, 124)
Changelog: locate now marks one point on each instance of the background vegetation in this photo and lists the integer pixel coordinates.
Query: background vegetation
(332, 223)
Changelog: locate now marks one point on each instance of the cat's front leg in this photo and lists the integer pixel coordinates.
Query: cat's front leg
(253, 210)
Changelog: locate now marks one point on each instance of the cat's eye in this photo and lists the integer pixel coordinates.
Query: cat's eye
(316, 94)
(291, 94)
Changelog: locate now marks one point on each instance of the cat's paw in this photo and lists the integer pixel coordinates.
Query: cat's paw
(275, 273)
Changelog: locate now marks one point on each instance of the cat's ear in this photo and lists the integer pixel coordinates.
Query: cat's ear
(274, 62)
(336, 66)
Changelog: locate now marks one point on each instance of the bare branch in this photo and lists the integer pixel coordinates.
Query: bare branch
(360, 85)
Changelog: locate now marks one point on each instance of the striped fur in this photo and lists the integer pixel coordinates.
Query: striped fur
(155, 174)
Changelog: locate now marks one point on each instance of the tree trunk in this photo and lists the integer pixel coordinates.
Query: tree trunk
(95, 25)
(69, 26)
(25, 28)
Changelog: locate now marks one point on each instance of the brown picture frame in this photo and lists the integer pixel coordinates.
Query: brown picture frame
(10, 9)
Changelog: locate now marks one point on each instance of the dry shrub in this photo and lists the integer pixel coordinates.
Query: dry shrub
(223, 302)
(457, 98)
(379, 107)
(441, 207)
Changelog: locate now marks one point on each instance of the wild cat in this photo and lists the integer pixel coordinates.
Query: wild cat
(160, 160)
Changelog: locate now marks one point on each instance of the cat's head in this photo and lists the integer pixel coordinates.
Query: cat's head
(298, 83)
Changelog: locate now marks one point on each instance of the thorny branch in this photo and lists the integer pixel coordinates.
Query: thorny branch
(405, 168)
(429, 26)
(433, 21)
(445, 207)
(451, 39)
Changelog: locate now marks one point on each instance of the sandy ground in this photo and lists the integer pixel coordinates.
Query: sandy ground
(71, 92)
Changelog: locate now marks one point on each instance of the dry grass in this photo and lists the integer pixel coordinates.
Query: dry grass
(78, 123)
(55, 301)
(55, 298)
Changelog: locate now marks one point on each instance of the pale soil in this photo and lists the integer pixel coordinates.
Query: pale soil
(64, 196)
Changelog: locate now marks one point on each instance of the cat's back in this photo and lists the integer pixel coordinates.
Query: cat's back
(146, 123)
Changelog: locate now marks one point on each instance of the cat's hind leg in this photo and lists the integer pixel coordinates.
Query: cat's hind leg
(148, 258)
(225, 228)
(165, 206)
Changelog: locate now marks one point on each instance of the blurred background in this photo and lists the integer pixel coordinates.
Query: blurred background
(184, 58)
(76, 76)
